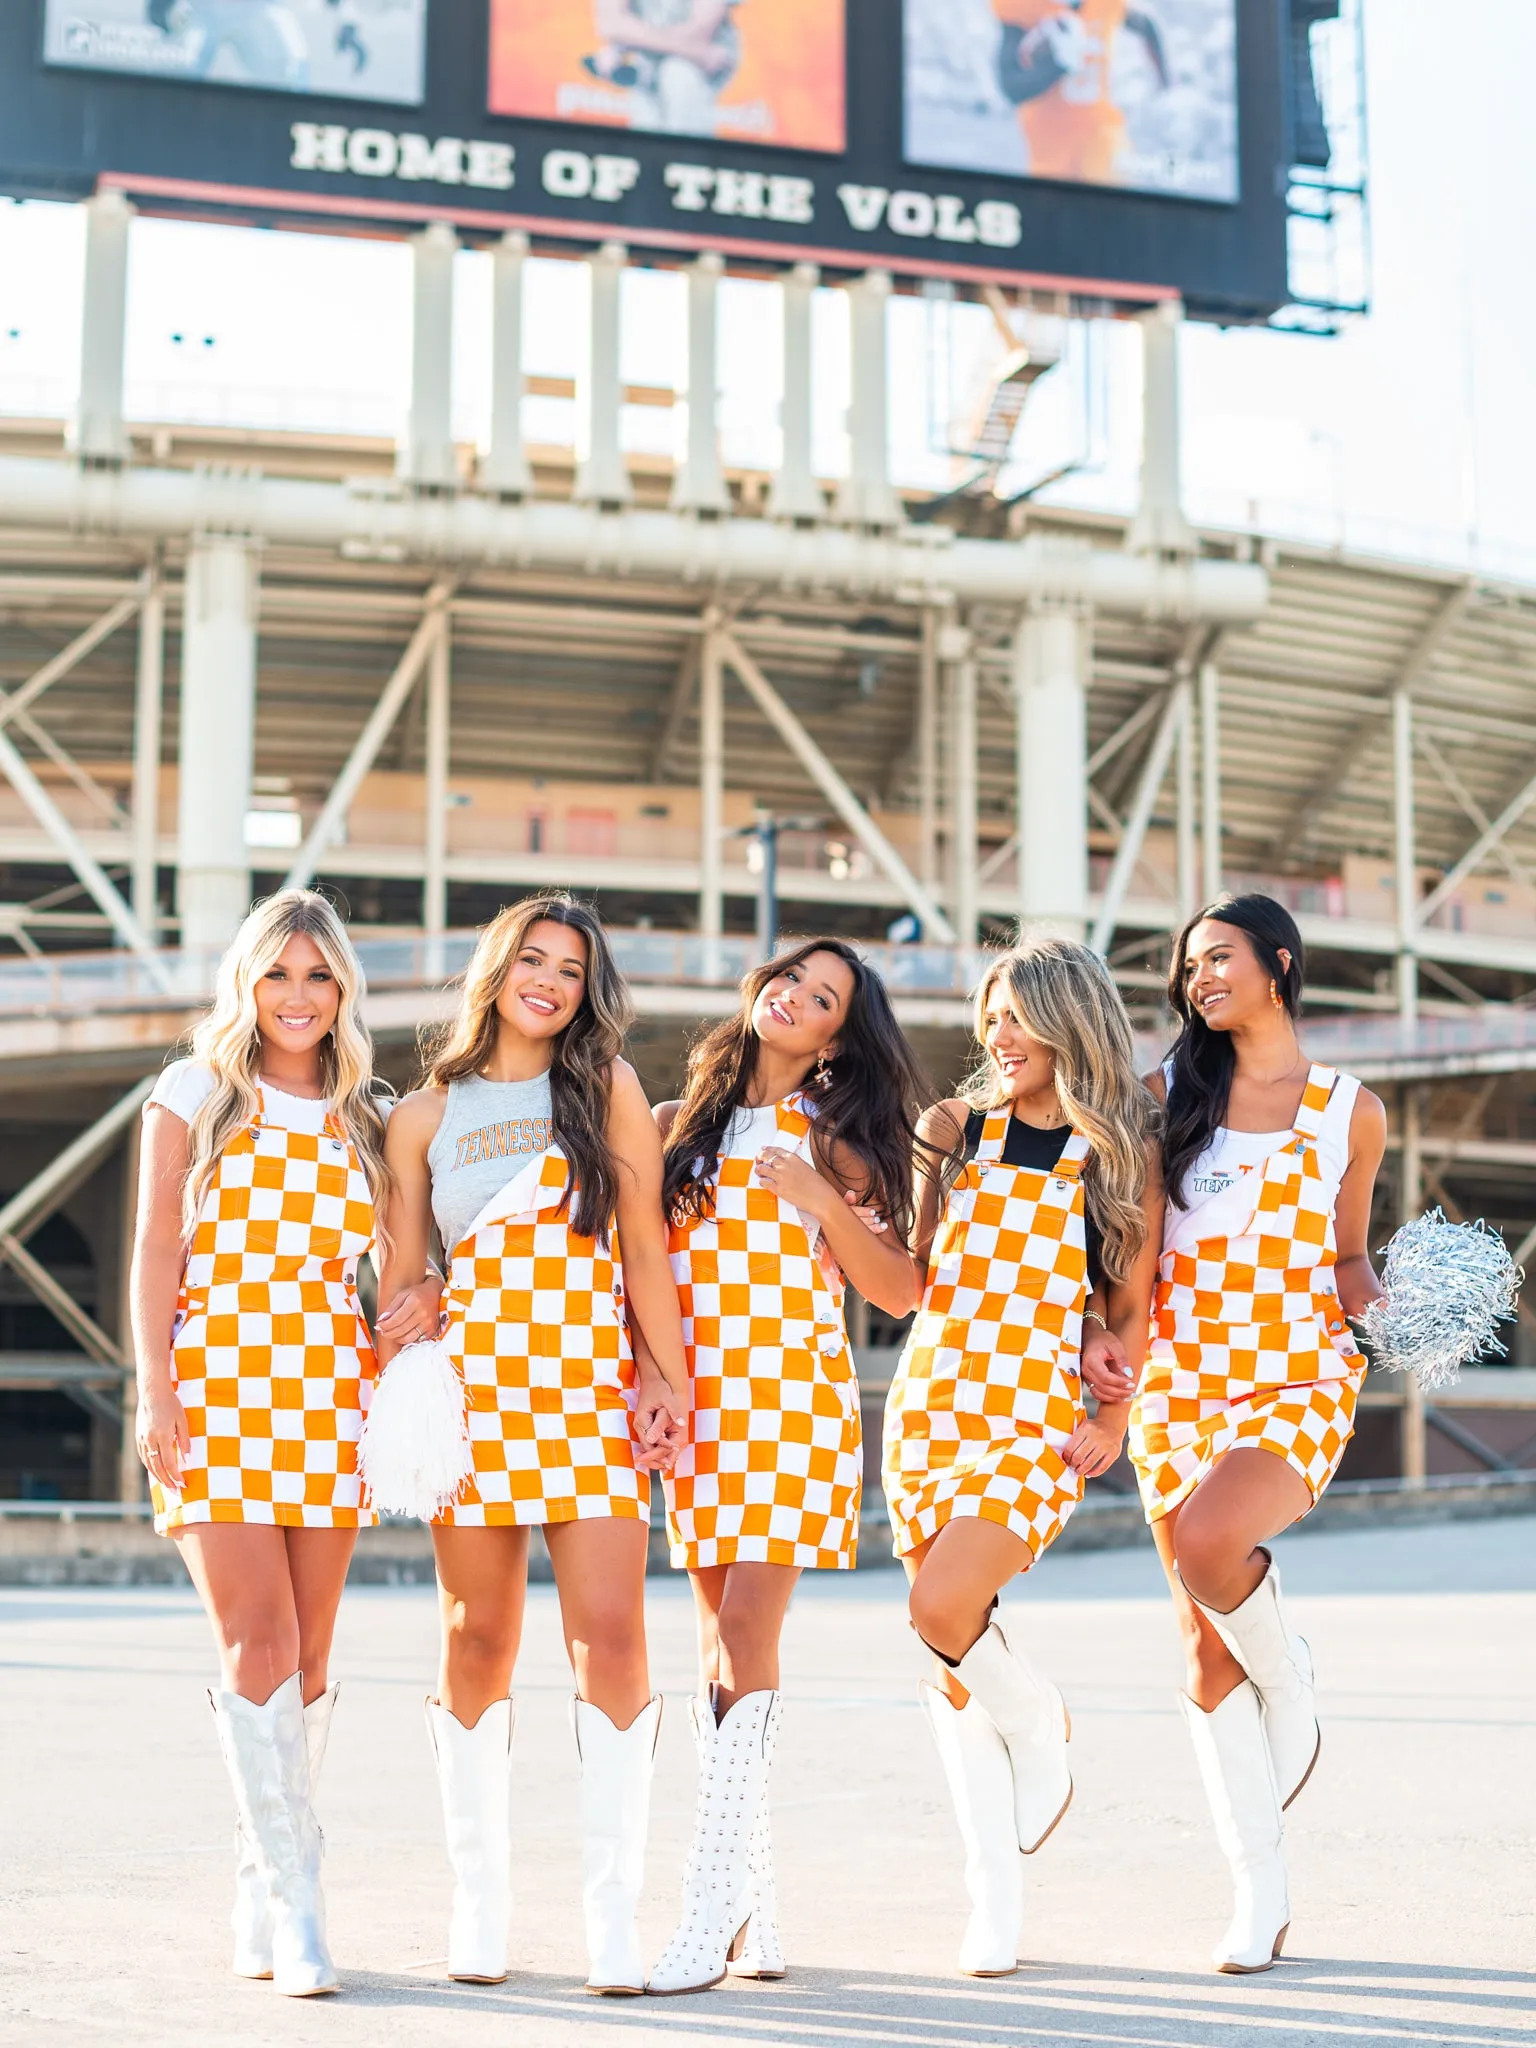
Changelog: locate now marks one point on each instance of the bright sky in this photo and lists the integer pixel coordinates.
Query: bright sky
(1411, 434)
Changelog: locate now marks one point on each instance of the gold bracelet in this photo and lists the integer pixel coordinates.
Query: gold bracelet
(1091, 1315)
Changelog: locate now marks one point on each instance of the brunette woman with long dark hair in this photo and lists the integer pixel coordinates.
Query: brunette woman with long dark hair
(1248, 1397)
(530, 1147)
(798, 1109)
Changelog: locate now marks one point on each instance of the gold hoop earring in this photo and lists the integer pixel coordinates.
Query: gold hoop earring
(823, 1074)
(1274, 995)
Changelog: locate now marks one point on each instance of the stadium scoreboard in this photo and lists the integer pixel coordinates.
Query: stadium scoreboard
(1116, 151)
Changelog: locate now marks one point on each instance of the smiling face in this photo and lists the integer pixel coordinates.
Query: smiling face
(1024, 1067)
(1224, 979)
(546, 981)
(297, 998)
(800, 1012)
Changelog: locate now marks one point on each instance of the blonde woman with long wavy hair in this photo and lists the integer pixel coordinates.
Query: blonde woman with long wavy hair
(1038, 1218)
(262, 1173)
(530, 1151)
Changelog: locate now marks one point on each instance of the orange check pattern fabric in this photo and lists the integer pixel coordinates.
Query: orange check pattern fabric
(1250, 1348)
(772, 1473)
(987, 1395)
(271, 1357)
(536, 1325)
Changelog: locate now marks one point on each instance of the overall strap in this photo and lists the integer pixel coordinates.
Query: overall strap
(994, 1136)
(1074, 1157)
(794, 1116)
(1314, 1105)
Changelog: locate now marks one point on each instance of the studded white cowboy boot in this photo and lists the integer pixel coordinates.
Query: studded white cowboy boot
(252, 1915)
(267, 1758)
(980, 1776)
(1280, 1666)
(759, 1952)
(717, 1878)
(473, 1771)
(615, 1811)
(1239, 1784)
(1031, 1717)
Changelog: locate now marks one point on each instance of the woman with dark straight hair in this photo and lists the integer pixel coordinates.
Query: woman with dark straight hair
(530, 1149)
(1248, 1396)
(798, 1108)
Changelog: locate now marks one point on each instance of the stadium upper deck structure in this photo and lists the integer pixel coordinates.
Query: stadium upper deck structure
(435, 680)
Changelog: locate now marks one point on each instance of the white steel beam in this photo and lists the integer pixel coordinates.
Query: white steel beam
(711, 795)
(60, 664)
(1405, 858)
(924, 564)
(1052, 651)
(1210, 781)
(1160, 527)
(429, 453)
(41, 1196)
(434, 894)
(796, 493)
(835, 789)
(95, 877)
(148, 716)
(1457, 788)
(963, 796)
(217, 740)
(684, 689)
(601, 478)
(1188, 875)
(1483, 845)
(505, 468)
(866, 496)
(366, 747)
(97, 434)
(699, 482)
(927, 751)
(1132, 839)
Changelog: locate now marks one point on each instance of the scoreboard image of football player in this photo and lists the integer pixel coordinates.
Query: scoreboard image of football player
(1055, 63)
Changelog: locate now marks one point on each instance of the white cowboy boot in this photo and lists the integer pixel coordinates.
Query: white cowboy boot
(1280, 1666)
(1029, 1714)
(473, 1770)
(615, 1810)
(1239, 1783)
(975, 1760)
(759, 1952)
(267, 1758)
(717, 1879)
(252, 1916)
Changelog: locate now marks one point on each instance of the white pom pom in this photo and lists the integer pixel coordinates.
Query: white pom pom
(1448, 1287)
(414, 1452)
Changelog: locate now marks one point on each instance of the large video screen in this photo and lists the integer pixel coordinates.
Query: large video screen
(729, 70)
(1092, 92)
(337, 49)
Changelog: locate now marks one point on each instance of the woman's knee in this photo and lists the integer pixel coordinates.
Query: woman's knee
(479, 1637)
(260, 1654)
(932, 1609)
(1206, 1550)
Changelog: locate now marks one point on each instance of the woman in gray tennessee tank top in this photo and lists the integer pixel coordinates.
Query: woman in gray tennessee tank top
(530, 1152)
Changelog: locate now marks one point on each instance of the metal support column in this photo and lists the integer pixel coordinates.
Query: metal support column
(1184, 828)
(217, 751)
(434, 895)
(97, 433)
(130, 1473)
(1410, 1204)
(963, 796)
(699, 485)
(148, 703)
(601, 478)
(927, 752)
(1051, 652)
(1404, 837)
(430, 463)
(1210, 780)
(711, 798)
(796, 493)
(1160, 527)
(866, 497)
(505, 469)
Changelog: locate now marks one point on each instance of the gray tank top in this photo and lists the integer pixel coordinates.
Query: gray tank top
(489, 1131)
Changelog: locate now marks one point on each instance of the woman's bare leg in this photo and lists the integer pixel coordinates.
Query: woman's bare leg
(482, 1577)
(955, 1578)
(317, 1565)
(242, 1574)
(600, 1574)
(741, 1610)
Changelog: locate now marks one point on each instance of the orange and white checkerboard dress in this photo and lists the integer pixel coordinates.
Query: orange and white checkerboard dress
(772, 1472)
(536, 1325)
(987, 1394)
(1250, 1348)
(271, 1357)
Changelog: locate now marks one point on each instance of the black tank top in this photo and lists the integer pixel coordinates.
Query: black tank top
(1027, 1145)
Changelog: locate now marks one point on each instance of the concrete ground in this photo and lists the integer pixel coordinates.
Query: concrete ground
(1413, 1851)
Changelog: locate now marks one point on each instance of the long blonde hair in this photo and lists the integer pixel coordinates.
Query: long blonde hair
(228, 1041)
(1062, 995)
(581, 1068)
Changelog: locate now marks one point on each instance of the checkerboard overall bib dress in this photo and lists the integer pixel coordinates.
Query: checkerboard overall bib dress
(985, 1400)
(1250, 1350)
(772, 1474)
(536, 1327)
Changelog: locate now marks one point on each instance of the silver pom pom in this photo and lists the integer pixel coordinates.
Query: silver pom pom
(1448, 1287)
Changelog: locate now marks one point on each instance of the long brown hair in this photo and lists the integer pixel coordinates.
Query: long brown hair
(870, 1103)
(1064, 997)
(581, 1069)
